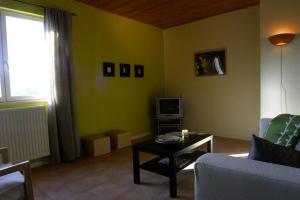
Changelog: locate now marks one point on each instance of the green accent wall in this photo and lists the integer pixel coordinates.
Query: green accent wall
(102, 103)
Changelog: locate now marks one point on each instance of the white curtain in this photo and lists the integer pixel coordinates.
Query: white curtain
(64, 139)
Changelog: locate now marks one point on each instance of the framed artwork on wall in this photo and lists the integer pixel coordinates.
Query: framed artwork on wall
(210, 63)
(139, 71)
(124, 70)
(108, 69)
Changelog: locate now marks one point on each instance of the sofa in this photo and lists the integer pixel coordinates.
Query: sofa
(221, 177)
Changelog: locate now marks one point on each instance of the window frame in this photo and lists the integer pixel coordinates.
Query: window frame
(2, 80)
(4, 68)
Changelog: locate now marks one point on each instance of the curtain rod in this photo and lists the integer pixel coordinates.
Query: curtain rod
(36, 5)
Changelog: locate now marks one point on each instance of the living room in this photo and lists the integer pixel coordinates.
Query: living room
(261, 81)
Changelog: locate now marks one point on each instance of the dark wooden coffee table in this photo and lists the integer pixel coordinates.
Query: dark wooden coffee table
(185, 150)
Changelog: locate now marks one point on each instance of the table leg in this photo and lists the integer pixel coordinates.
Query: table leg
(210, 146)
(136, 166)
(173, 182)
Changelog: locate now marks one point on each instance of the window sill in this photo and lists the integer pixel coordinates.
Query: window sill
(29, 101)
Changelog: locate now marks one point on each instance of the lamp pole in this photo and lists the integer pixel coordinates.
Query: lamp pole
(283, 92)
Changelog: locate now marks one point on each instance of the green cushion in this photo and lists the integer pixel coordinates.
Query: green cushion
(284, 130)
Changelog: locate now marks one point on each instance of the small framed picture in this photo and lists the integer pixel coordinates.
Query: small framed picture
(139, 71)
(125, 70)
(210, 63)
(108, 69)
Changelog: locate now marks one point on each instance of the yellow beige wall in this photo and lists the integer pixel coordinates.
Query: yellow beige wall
(279, 16)
(223, 105)
(103, 104)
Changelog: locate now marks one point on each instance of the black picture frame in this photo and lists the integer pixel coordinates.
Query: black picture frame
(139, 71)
(108, 69)
(210, 63)
(124, 70)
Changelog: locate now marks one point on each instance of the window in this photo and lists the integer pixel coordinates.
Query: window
(23, 68)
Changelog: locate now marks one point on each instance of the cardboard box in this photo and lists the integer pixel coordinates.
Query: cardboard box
(97, 145)
(119, 139)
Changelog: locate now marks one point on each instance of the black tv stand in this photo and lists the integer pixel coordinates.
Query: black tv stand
(168, 124)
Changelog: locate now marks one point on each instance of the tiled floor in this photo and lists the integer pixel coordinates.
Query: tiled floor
(110, 177)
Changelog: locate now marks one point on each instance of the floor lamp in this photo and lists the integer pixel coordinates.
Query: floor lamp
(281, 40)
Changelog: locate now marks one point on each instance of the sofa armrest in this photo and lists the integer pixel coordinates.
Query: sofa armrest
(10, 168)
(24, 167)
(220, 177)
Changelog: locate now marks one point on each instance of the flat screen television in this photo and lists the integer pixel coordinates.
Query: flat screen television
(169, 107)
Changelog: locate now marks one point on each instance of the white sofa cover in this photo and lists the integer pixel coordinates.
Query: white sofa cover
(220, 177)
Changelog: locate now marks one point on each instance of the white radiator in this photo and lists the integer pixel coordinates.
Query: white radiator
(25, 132)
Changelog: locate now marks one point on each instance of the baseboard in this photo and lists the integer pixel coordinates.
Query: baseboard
(45, 161)
(141, 135)
(39, 162)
